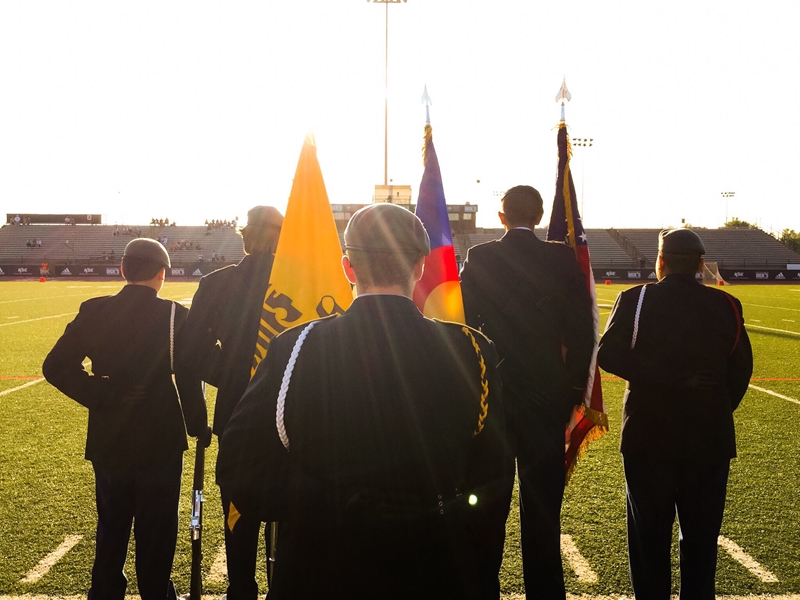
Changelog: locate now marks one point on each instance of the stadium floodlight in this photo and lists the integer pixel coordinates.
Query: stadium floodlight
(386, 93)
(727, 196)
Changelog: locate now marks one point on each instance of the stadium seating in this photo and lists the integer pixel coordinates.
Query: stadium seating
(95, 243)
(730, 248)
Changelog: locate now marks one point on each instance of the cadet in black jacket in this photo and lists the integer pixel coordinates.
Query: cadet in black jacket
(136, 434)
(385, 459)
(530, 298)
(221, 334)
(685, 354)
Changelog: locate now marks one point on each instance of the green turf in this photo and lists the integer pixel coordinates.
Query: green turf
(46, 488)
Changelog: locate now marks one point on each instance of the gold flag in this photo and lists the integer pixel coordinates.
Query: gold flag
(307, 280)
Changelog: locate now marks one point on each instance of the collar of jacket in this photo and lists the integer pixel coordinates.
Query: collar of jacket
(679, 277)
(384, 303)
(519, 233)
(131, 289)
(256, 259)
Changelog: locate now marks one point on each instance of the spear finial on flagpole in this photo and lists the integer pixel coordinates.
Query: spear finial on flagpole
(563, 97)
(426, 100)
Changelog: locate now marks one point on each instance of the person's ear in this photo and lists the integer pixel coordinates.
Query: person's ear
(419, 270)
(348, 269)
(701, 265)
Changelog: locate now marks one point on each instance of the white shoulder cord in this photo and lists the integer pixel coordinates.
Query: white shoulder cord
(172, 339)
(287, 377)
(636, 318)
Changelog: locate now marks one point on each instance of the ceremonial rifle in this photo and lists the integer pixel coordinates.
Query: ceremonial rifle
(196, 524)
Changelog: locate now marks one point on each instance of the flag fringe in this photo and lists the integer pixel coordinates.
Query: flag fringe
(595, 433)
(427, 138)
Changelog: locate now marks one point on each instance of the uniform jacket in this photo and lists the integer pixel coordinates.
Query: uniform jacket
(135, 416)
(381, 413)
(684, 328)
(530, 298)
(222, 328)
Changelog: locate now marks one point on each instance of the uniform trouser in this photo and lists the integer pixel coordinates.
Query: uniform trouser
(241, 550)
(146, 498)
(538, 443)
(655, 491)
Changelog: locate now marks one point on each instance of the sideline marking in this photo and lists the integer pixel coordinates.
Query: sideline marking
(51, 559)
(747, 561)
(576, 561)
(776, 394)
(751, 326)
(37, 319)
(219, 570)
(24, 385)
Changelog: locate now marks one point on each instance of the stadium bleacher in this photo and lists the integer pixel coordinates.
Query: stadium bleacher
(730, 248)
(96, 243)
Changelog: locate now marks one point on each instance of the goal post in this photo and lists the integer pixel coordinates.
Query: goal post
(711, 275)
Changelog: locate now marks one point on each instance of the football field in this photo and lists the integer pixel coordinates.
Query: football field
(47, 514)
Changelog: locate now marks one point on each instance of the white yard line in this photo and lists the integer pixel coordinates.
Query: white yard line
(747, 561)
(19, 387)
(775, 307)
(503, 596)
(51, 559)
(40, 319)
(576, 561)
(776, 394)
(219, 570)
(42, 298)
(751, 326)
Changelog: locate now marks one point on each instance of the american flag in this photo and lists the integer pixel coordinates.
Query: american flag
(589, 420)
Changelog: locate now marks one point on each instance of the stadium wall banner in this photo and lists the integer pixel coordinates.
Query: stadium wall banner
(19, 270)
(617, 275)
(84, 271)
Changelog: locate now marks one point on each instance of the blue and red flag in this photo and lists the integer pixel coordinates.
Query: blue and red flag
(438, 293)
(589, 420)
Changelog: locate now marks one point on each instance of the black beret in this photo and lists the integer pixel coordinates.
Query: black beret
(147, 249)
(386, 227)
(264, 215)
(680, 241)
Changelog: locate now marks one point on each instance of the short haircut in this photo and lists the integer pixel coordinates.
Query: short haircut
(260, 239)
(522, 204)
(139, 269)
(383, 268)
(681, 263)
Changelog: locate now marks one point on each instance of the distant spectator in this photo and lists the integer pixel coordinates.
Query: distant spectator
(29, 244)
(16, 220)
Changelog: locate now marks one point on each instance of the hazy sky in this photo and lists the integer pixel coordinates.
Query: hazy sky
(196, 110)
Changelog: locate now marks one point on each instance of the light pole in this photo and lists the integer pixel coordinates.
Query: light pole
(727, 196)
(582, 143)
(386, 93)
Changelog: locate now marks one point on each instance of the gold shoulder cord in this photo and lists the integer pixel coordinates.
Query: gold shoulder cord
(484, 382)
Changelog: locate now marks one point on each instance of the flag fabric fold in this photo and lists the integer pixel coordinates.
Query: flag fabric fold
(307, 280)
(588, 421)
(438, 293)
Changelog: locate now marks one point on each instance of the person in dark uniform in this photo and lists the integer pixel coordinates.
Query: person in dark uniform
(137, 423)
(222, 329)
(530, 298)
(684, 351)
(384, 456)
